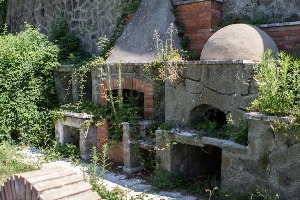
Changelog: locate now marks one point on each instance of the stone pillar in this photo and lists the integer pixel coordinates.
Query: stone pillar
(87, 140)
(96, 79)
(164, 150)
(75, 91)
(131, 163)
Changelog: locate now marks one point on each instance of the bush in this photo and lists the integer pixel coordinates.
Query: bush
(279, 85)
(27, 86)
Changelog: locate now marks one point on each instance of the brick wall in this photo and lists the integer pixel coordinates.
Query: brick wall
(287, 37)
(132, 84)
(199, 18)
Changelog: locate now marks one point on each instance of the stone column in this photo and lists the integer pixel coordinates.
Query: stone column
(88, 139)
(164, 150)
(131, 163)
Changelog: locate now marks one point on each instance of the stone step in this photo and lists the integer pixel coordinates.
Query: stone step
(47, 184)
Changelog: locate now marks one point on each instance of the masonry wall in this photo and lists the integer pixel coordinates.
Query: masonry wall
(226, 85)
(200, 16)
(198, 19)
(88, 18)
(285, 35)
(274, 11)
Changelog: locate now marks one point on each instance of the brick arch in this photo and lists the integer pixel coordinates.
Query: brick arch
(132, 84)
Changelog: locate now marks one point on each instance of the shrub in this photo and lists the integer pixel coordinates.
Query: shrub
(27, 87)
(279, 85)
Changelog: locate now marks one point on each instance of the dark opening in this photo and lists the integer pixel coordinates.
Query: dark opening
(132, 99)
(147, 157)
(71, 135)
(204, 114)
(197, 162)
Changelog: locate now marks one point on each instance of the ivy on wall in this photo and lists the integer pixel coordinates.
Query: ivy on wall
(3, 11)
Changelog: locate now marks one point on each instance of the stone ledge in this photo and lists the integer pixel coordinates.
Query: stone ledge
(279, 24)
(77, 115)
(68, 68)
(193, 1)
(260, 116)
(196, 140)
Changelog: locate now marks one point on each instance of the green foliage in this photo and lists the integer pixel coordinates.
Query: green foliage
(97, 181)
(226, 22)
(290, 130)
(9, 162)
(236, 132)
(120, 111)
(279, 86)
(165, 50)
(59, 151)
(27, 87)
(3, 12)
(68, 43)
(163, 180)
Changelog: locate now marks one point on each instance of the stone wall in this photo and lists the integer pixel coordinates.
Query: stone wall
(273, 10)
(228, 86)
(271, 161)
(198, 19)
(88, 18)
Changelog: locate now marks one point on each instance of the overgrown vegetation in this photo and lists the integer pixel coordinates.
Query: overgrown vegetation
(27, 87)
(3, 12)
(226, 22)
(237, 132)
(70, 50)
(279, 86)
(9, 163)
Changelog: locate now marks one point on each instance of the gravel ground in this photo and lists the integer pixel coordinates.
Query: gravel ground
(133, 186)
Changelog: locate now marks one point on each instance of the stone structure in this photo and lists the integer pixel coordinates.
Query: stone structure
(270, 161)
(89, 19)
(75, 129)
(238, 42)
(228, 86)
(136, 44)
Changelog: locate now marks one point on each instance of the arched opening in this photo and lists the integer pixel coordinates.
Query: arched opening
(131, 99)
(206, 117)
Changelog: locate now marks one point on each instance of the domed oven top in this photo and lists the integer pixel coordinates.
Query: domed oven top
(238, 42)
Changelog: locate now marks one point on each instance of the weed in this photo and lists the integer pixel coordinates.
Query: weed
(9, 162)
(279, 86)
(59, 151)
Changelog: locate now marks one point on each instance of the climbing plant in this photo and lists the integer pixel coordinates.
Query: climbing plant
(27, 88)
(70, 50)
(3, 12)
(128, 8)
